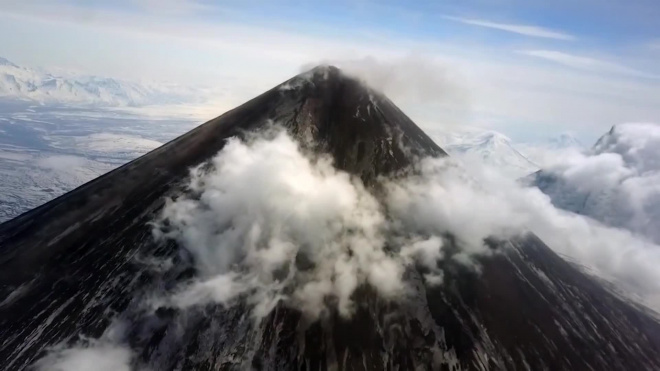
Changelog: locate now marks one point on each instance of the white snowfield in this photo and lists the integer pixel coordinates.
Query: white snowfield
(31, 178)
(112, 144)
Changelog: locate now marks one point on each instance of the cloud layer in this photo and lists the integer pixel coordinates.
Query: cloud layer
(266, 223)
(616, 182)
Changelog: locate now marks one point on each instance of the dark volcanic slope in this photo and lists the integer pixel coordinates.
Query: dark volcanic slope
(72, 265)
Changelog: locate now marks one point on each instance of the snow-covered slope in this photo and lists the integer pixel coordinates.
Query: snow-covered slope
(490, 148)
(616, 182)
(17, 82)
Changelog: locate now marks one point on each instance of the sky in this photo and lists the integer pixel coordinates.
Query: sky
(528, 68)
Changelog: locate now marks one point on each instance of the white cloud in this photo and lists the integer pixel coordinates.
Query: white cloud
(270, 224)
(637, 143)
(527, 30)
(443, 199)
(266, 224)
(590, 172)
(97, 356)
(419, 82)
(586, 63)
(107, 353)
(616, 182)
(614, 254)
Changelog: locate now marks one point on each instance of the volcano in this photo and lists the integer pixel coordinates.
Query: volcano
(68, 269)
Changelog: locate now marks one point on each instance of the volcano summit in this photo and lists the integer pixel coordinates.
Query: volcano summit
(292, 244)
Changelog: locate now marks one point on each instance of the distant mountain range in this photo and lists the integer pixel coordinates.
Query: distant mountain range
(25, 83)
(616, 182)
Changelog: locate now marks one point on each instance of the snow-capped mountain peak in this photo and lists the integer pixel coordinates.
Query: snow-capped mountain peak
(491, 148)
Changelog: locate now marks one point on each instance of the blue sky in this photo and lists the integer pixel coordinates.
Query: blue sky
(529, 68)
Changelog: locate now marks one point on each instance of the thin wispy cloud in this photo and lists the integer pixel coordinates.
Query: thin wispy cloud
(527, 30)
(587, 63)
(171, 7)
